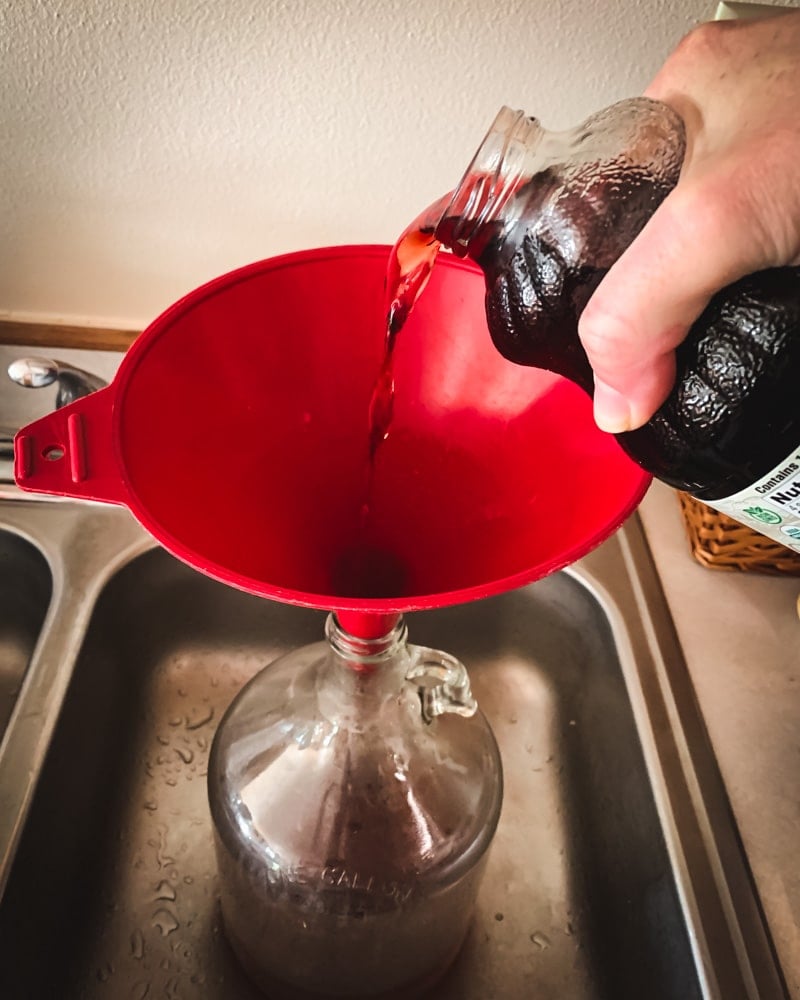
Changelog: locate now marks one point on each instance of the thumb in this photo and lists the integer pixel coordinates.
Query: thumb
(703, 236)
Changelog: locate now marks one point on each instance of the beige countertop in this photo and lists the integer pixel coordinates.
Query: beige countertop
(740, 634)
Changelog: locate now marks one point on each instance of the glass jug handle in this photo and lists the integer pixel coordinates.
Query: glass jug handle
(442, 682)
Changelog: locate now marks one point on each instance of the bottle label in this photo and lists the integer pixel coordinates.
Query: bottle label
(771, 505)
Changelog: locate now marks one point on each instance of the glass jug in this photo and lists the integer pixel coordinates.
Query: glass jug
(355, 789)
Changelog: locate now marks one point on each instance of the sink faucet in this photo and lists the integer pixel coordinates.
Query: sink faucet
(35, 373)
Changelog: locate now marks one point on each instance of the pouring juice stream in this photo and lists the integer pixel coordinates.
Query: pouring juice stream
(410, 264)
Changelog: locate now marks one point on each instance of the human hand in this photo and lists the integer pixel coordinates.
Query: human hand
(735, 209)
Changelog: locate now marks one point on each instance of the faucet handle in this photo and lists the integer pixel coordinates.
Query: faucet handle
(73, 383)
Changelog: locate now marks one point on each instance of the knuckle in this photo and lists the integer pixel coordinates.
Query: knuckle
(697, 56)
(718, 224)
(608, 339)
(702, 41)
(698, 211)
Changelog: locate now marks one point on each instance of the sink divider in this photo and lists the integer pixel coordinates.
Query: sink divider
(84, 546)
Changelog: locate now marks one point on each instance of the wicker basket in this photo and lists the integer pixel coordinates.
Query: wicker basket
(719, 542)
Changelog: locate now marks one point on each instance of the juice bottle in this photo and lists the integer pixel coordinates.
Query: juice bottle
(546, 214)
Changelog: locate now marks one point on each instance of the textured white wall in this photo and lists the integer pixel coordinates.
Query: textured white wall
(149, 145)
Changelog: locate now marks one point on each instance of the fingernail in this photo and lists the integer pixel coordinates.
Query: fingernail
(612, 411)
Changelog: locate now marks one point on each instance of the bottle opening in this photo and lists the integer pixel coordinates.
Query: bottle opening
(492, 177)
(366, 650)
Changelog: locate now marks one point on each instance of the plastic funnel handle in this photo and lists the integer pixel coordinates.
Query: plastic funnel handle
(70, 452)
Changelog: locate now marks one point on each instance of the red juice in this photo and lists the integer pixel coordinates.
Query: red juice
(410, 264)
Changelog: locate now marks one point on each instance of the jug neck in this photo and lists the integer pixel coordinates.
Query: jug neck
(367, 654)
(361, 680)
(388, 682)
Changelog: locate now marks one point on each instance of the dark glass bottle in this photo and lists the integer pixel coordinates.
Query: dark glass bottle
(546, 214)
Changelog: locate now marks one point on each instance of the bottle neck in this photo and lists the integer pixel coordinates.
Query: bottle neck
(483, 199)
(545, 214)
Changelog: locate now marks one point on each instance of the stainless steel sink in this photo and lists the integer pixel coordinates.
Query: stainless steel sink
(616, 874)
(25, 589)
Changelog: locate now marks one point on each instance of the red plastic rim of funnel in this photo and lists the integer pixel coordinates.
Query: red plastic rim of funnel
(236, 433)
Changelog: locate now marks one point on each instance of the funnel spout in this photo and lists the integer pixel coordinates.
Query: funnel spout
(367, 624)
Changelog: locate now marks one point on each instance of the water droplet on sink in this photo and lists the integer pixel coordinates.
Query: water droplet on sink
(541, 941)
(140, 990)
(163, 740)
(165, 891)
(186, 755)
(175, 720)
(151, 806)
(188, 879)
(163, 859)
(137, 945)
(104, 972)
(181, 692)
(171, 782)
(203, 718)
(165, 922)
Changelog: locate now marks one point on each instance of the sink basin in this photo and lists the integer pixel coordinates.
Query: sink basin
(616, 871)
(25, 590)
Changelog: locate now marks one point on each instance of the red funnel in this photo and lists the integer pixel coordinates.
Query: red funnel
(236, 431)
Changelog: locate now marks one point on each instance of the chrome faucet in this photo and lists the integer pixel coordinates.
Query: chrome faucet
(73, 383)
(36, 373)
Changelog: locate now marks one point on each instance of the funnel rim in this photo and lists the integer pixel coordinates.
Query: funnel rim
(640, 480)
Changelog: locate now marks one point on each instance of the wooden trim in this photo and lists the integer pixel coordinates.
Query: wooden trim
(47, 335)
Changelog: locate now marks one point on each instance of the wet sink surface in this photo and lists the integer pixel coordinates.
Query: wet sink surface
(597, 886)
(579, 899)
(25, 590)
